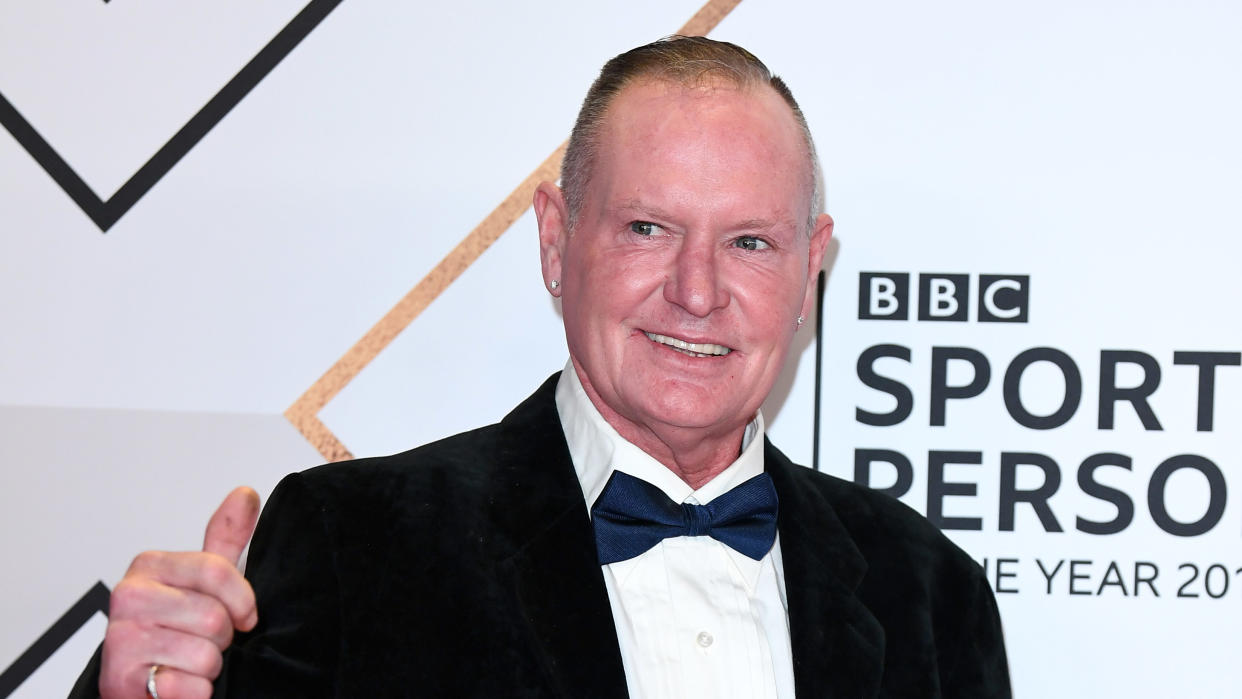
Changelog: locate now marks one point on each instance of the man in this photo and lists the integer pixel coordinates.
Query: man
(627, 530)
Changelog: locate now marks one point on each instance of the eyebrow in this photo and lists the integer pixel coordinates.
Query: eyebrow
(758, 224)
(634, 206)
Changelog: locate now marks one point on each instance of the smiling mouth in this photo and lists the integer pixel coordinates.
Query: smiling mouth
(690, 348)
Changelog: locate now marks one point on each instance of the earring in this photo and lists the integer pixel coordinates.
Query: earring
(555, 284)
(799, 321)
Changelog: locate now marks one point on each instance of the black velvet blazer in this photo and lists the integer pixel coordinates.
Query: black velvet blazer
(466, 568)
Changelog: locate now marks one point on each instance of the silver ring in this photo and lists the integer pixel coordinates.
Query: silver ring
(151, 682)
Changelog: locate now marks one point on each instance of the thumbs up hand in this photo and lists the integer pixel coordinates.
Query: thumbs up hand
(178, 610)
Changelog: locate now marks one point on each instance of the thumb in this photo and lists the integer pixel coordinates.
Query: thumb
(230, 527)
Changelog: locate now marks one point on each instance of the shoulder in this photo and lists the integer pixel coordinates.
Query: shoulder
(456, 462)
(352, 508)
(461, 468)
(929, 596)
(896, 541)
(469, 477)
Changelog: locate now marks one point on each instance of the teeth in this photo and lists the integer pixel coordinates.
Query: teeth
(690, 348)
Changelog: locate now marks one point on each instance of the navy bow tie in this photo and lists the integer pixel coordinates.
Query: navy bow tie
(631, 516)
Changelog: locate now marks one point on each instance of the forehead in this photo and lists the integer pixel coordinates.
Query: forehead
(707, 143)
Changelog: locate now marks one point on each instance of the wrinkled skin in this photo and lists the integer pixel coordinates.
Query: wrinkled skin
(694, 227)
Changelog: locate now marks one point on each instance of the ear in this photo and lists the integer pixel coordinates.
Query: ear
(553, 220)
(815, 260)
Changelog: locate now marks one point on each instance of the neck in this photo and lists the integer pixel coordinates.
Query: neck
(695, 454)
(687, 453)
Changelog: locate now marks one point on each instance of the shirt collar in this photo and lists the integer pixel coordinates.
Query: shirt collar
(597, 450)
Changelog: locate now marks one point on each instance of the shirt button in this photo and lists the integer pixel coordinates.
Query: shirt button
(704, 639)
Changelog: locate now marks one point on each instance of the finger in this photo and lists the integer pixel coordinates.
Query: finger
(152, 603)
(207, 573)
(172, 683)
(186, 653)
(136, 648)
(230, 527)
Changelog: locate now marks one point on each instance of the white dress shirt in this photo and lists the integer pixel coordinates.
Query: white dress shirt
(694, 617)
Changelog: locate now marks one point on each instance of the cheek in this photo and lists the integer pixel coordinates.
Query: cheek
(598, 304)
(620, 281)
(768, 299)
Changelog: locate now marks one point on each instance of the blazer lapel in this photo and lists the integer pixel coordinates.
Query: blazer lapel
(557, 579)
(838, 645)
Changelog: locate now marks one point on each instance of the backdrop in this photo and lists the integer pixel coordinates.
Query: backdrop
(239, 239)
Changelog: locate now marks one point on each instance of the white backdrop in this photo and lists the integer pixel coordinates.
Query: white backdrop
(1088, 149)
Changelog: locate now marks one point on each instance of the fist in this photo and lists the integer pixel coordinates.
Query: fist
(178, 610)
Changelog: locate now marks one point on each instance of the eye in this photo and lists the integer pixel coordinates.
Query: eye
(644, 228)
(750, 242)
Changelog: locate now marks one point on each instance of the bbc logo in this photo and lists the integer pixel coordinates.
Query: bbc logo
(1001, 298)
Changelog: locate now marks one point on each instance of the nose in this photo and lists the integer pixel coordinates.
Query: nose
(695, 281)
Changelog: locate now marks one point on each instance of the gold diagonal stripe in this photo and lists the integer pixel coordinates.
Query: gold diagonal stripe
(708, 16)
(302, 413)
(305, 410)
(320, 437)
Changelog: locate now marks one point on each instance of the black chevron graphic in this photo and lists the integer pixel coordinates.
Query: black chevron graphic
(107, 213)
(95, 600)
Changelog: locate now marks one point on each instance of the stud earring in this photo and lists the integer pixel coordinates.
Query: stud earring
(555, 284)
(799, 321)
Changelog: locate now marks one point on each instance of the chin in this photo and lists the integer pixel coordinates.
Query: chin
(688, 409)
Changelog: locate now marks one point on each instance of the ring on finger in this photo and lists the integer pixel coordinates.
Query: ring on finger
(151, 682)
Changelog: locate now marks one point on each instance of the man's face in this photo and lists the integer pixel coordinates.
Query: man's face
(690, 258)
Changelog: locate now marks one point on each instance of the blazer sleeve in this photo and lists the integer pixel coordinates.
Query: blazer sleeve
(87, 686)
(979, 667)
(293, 651)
